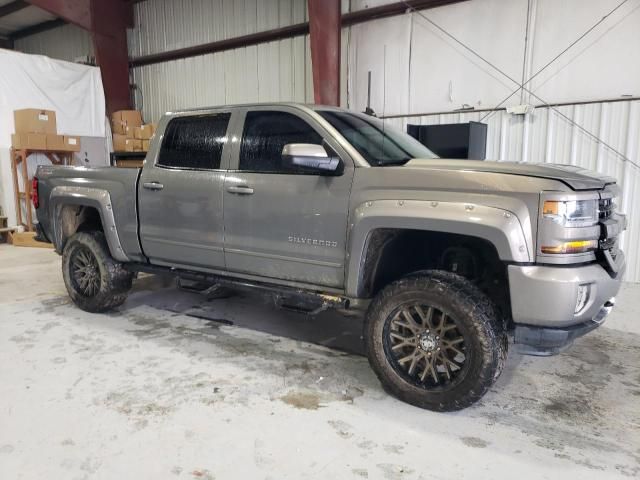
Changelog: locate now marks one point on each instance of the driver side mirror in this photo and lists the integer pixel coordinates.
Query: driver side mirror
(310, 158)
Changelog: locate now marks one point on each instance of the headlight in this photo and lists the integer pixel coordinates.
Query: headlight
(572, 213)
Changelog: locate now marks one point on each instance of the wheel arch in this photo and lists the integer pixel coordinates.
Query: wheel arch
(75, 208)
(377, 223)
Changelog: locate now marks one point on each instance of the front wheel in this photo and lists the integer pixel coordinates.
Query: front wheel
(435, 341)
(94, 280)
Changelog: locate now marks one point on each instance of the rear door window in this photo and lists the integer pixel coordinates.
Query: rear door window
(194, 142)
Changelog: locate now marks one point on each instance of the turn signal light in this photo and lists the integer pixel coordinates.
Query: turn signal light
(577, 246)
(550, 208)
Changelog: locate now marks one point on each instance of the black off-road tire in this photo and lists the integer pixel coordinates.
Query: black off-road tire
(476, 321)
(112, 281)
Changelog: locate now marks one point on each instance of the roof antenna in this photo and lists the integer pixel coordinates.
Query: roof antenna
(369, 110)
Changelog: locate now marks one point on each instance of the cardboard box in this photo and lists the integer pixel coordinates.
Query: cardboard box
(130, 131)
(71, 143)
(55, 142)
(133, 145)
(123, 118)
(32, 120)
(145, 145)
(29, 141)
(144, 132)
(119, 142)
(117, 128)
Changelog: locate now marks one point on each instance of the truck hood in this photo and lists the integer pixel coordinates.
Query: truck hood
(575, 177)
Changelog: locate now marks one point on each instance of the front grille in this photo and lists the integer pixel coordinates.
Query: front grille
(605, 208)
(609, 235)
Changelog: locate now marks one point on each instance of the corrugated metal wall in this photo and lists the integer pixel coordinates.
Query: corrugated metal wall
(65, 43)
(546, 137)
(277, 71)
(163, 25)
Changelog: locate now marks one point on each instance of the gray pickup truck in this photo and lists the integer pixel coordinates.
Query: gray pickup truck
(325, 208)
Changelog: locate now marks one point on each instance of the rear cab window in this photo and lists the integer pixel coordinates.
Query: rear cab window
(194, 142)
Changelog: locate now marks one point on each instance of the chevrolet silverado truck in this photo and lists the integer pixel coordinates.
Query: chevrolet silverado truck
(452, 260)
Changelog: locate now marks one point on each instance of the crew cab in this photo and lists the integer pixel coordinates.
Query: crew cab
(326, 208)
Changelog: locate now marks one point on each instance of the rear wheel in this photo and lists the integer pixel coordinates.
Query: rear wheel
(95, 281)
(435, 341)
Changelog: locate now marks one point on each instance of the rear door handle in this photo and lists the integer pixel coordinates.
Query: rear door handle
(153, 186)
(240, 190)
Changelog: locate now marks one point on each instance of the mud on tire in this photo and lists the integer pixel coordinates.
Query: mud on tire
(95, 281)
(435, 340)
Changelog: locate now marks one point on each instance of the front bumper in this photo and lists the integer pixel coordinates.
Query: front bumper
(532, 340)
(544, 299)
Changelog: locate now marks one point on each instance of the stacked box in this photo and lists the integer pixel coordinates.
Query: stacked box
(55, 141)
(36, 129)
(144, 132)
(71, 143)
(32, 120)
(32, 128)
(129, 133)
(122, 119)
(29, 141)
(133, 145)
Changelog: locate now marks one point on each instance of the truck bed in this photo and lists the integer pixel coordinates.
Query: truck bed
(120, 183)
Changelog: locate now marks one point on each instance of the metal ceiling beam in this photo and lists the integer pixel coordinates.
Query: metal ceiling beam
(77, 12)
(12, 7)
(290, 31)
(37, 28)
(324, 32)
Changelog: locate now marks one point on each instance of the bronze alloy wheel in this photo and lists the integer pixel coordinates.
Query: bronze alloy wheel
(435, 340)
(85, 272)
(425, 346)
(94, 280)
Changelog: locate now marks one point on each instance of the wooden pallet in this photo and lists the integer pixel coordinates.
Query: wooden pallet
(26, 239)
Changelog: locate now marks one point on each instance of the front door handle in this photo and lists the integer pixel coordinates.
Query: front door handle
(240, 190)
(153, 186)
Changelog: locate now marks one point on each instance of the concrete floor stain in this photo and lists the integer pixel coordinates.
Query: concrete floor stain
(302, 400)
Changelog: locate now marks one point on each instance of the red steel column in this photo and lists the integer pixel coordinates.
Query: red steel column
(107, 21)
(109, 33)
(325, 30)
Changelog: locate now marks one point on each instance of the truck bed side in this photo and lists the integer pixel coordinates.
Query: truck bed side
(110, 191)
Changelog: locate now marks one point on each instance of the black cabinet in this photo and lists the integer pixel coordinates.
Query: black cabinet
(454, 140)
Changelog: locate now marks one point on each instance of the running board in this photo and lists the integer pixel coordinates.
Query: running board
(304, 301)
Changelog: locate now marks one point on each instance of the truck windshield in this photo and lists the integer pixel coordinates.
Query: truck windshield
(380, 145)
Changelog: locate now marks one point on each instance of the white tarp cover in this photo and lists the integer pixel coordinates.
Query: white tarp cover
(73, 91)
